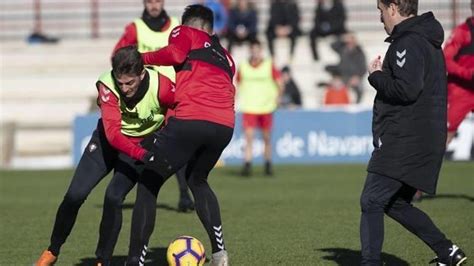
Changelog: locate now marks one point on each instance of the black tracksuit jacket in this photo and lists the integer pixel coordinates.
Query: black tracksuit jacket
(409, 116)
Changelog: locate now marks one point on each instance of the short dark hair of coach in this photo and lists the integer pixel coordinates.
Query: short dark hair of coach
(409, 115)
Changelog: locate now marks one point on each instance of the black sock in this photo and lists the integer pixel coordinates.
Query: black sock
(207, 208)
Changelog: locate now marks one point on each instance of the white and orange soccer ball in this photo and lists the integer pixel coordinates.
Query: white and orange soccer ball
(186, 251)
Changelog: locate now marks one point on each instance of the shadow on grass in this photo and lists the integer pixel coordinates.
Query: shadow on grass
(347, 257)
(448, 196)
(255, 173)
(155, 256)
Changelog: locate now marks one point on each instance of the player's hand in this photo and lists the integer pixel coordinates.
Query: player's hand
(375, 65)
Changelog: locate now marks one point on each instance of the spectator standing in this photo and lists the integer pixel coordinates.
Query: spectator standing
(284, 23)
(329, 19)
(242, 24)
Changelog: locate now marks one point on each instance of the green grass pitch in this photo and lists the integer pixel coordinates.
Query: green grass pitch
(305, 215)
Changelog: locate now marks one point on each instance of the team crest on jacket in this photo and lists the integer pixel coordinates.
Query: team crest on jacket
(105, 97)
(401, 59)
(92, 147)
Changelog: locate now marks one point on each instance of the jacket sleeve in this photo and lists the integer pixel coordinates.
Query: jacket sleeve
(175, 53)
(166, 92)
(129, 37)
(405, 61)
(112, 120)
(456, 42)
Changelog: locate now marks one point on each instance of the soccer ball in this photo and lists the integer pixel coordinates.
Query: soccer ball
(186, 251)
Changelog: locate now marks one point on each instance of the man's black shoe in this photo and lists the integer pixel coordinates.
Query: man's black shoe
(456, 257)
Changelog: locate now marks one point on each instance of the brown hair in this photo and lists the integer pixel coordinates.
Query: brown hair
(405, 7)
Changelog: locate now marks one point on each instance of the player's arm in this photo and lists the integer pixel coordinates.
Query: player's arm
(129, 37)
(112, 120)
(457, 40)
(166, 92)
(407, 64)
(175, 53)
(276, 74)
(238, 77)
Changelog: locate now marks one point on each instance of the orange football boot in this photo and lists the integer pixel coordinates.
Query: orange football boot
(46, 259)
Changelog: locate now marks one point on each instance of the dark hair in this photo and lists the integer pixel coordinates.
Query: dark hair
(127, 60)
(200, 15)
(405, 7)
(255, 42)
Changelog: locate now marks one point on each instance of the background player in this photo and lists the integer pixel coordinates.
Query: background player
(459, 55)
(260, 88)
(150, 33)
(132, 101)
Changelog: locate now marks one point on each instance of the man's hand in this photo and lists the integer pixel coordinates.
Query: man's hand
(375, 65)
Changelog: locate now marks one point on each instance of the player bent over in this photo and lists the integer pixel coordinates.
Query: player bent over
(133, 101)
(200, 129)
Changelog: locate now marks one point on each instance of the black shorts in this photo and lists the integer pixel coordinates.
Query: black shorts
(197, 143)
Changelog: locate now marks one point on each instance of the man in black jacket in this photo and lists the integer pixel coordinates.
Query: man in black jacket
(409, 131)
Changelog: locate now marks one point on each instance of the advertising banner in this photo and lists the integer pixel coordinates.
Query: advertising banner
(332, 135)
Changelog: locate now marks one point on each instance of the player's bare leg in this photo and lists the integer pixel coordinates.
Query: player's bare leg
(249, 135)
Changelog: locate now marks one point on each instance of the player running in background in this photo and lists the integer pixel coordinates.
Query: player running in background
(133, 101)
(200, 129)
(260, 88)
(409, 131)
(459, 55)
(150, 33)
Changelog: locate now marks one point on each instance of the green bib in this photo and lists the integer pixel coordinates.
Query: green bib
(258, 92)
(147, 116)
(149, 40)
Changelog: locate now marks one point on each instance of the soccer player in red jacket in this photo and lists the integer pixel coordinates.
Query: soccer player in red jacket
(459, 55)
(132, 102)
(201, 126)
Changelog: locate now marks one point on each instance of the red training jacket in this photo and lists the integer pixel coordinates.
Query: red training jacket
(463, 67)
(204, 93)
(112, 118)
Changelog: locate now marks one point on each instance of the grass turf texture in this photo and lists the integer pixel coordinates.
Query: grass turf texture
(305, 215)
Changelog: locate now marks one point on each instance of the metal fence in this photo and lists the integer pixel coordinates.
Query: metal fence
(106, 18)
